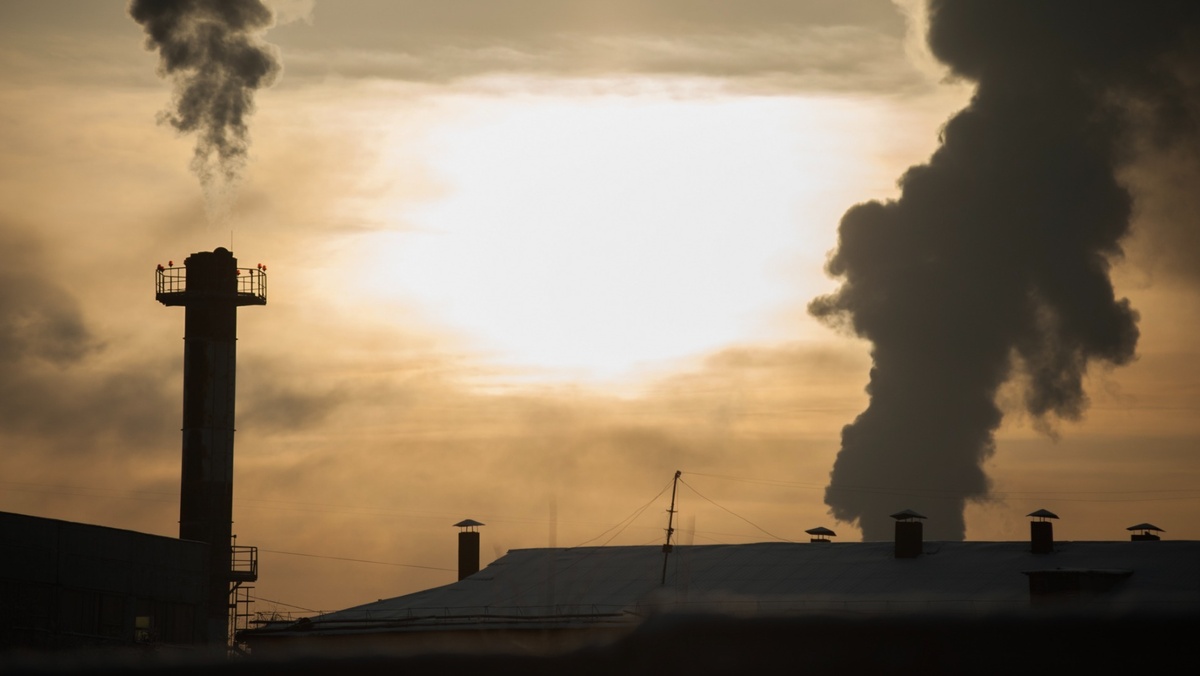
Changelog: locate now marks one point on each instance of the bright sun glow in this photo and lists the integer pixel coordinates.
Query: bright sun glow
(596, 236)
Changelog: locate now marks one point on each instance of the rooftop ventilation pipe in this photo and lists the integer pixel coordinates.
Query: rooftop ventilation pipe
(1144, 534)
(820, 534)
(468, 547)
(1041, 531)
(909, 534)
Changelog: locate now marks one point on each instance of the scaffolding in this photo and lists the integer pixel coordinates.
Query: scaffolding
(241, 612)
(243, 569)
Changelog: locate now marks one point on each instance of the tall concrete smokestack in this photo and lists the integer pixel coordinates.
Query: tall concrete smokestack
(211, 288)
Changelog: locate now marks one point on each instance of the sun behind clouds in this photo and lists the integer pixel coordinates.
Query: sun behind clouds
(594, 235)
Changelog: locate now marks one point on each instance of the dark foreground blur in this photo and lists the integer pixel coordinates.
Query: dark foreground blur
(721, 645)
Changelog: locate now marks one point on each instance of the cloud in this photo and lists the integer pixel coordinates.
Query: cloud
(39, 319)
(766, 46)
(288, 11)
(53, 380)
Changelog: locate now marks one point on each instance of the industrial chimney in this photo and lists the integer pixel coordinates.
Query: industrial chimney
(1041, 531)
(211, 287)
(909, 534)
(468, 547)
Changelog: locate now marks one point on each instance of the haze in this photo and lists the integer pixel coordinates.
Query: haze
(526, 260)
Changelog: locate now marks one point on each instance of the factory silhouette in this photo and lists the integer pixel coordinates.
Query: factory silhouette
(72, 588)
(993, 266)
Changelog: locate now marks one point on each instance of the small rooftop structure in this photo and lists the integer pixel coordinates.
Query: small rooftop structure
(909, 534)
(468, 547)
(1041, 531)
(1145, 532)
(820, 534)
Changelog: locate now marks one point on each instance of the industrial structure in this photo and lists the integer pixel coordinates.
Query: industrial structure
(557, 600)
(211, 287)
(72, 585)
(468, 547)
(67, 585)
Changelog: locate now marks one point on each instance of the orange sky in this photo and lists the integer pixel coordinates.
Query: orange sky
(522, 263)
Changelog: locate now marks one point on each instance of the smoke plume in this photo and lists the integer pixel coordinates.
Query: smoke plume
(993, 265)
(211, 50)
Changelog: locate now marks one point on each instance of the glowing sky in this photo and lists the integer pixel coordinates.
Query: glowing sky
(541, 253)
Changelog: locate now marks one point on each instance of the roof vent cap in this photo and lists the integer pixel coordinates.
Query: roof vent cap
(907, 515)
(1145, 532)
(820, 534)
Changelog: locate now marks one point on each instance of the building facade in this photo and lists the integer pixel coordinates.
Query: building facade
(66, 585)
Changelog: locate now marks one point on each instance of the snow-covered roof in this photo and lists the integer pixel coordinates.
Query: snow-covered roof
(589, 586)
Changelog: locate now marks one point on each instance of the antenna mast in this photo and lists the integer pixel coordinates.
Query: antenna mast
(670, 526)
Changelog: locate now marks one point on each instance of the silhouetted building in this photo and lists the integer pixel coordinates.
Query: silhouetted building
(550, 600)
(70, 585)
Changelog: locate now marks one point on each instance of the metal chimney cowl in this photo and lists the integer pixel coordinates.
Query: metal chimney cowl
(468, 547)
(1041, 531)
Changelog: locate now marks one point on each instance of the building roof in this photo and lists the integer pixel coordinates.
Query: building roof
(589, 586)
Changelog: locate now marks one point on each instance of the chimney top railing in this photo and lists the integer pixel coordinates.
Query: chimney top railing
(170, 286)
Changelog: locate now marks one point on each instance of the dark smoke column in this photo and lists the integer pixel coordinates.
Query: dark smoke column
(210, 288)
(210, 49)
(994, 262)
